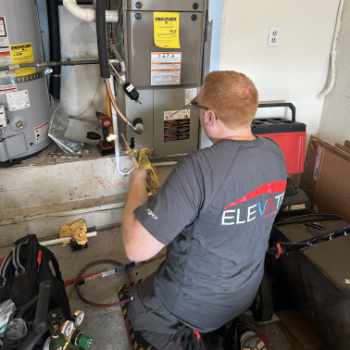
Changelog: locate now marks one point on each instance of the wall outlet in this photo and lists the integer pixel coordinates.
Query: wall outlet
(274, 37)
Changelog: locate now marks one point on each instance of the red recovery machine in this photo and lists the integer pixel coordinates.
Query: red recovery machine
(290, 135)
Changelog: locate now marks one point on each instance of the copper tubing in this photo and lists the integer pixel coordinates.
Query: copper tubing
(116, 108)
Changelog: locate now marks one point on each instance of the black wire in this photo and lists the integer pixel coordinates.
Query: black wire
(290, 247)
(308, 218)
(80, 277)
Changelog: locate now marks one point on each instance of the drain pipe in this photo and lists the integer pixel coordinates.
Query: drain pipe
(88, 14)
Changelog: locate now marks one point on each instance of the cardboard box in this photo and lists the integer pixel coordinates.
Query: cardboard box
(327, 178)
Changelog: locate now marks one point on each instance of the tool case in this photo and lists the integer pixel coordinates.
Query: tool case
(289, 134)
(317, 280)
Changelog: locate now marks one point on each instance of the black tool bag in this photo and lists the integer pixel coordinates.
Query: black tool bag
(21, 273)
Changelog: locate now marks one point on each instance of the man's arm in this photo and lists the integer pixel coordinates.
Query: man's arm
(139, 244)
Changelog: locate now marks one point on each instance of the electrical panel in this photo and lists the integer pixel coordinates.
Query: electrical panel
(164, 42)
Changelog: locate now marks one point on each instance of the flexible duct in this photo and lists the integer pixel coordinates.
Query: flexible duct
(88, 14)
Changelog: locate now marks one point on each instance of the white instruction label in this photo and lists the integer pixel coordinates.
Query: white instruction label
(40, 132)
(4, 39)
(18, 100)
(166, 68)
(177, 115)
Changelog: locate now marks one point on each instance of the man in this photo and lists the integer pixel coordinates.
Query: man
(214, 213)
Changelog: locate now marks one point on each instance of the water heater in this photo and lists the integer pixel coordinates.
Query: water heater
(24, 97)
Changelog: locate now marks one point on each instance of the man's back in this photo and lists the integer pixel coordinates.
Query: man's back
(214, 214)
(233, 192)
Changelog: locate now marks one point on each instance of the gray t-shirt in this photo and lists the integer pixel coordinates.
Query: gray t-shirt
(215, 212)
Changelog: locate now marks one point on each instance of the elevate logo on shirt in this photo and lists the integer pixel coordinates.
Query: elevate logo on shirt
(239, 213)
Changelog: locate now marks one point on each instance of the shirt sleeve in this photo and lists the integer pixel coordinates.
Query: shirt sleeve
(176, 205)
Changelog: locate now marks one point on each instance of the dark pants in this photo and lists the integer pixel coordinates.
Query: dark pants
(153, 322)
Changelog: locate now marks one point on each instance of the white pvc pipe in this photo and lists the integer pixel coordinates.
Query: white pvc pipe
(64, 240)
(88, 14)
(333, 58)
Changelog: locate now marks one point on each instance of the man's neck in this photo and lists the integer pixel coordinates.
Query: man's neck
(244, 134)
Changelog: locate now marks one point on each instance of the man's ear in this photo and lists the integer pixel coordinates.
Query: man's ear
(210, 119)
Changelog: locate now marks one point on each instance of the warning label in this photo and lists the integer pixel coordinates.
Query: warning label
(7, 83)
(166, 68)
(167, 30)
(177, 125)
(18, 100)
(21, 54)
(5, 56)
(5, 53)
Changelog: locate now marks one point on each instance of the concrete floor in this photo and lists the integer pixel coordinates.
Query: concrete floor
(107, 325)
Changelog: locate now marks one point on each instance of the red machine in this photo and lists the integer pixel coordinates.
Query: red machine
(290, 135)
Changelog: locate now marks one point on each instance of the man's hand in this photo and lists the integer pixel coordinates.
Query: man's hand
(138, 176)
(138, 242)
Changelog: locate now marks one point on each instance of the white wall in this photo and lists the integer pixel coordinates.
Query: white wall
(296, 70)
(335, 123)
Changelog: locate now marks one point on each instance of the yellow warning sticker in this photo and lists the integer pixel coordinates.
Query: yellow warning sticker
(167, 30)
(21, 54)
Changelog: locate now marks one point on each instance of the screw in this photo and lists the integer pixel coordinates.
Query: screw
(138, 5)
(194, 17)
(196, 6)
(20, 124)
(138, 16)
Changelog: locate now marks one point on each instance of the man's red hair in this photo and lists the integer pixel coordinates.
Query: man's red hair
(232, 96)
